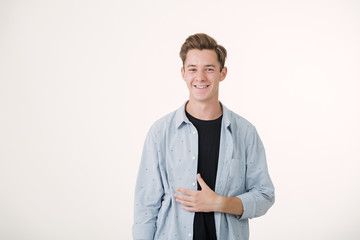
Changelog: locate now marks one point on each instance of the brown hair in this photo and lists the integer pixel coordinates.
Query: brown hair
(203, 41)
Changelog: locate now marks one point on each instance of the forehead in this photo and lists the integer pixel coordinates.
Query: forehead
(201, 57)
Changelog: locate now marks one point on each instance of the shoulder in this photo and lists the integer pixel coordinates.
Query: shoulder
(163, 122)
(238, 123)
(244, 131)
(164, 125)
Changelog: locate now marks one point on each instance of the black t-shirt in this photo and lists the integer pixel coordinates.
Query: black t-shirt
(209, 144)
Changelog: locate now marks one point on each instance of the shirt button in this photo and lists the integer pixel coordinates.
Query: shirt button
(193, 158)
(190, 234)
(194, 132)
(193, 184)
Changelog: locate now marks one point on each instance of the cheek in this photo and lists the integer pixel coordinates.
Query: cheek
(188, 82)
(187, 79)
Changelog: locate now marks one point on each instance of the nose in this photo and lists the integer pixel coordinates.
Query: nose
(200, 75)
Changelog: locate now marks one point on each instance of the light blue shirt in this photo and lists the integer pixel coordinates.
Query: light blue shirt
(169, 160)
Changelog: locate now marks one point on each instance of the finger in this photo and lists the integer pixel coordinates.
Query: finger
(189, 209)
(183, 197)
(185, 191)
(201, 182)
(185, 203)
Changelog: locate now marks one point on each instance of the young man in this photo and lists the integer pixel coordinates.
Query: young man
(203, 171)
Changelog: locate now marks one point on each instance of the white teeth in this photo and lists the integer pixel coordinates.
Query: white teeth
(205, 86)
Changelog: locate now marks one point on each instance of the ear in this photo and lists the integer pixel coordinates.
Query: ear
(223, 73)
(183, 73)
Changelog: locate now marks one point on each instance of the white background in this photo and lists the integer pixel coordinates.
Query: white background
(82, 81)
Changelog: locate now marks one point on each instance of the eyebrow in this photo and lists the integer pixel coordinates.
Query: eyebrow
(192, 65)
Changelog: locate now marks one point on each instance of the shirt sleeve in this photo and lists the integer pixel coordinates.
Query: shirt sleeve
(259, 195)
(148, 191)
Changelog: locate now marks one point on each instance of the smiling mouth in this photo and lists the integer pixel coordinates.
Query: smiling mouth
(201, 87)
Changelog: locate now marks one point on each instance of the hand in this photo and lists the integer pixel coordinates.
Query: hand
(205, 200)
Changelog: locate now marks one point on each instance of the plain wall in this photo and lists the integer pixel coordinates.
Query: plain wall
(82, 81)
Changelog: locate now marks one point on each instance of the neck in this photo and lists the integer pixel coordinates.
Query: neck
(204, 111)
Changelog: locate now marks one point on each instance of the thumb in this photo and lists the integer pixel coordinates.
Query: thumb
(201, 182)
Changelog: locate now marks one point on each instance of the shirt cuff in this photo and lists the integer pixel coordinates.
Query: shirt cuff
(249, 206)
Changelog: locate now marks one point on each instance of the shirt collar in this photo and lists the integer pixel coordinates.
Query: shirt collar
(227, 114)
(181, 118)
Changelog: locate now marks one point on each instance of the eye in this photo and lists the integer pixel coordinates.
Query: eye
(209, 69)
(192, 69)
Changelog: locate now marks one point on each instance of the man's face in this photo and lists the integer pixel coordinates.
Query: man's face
(201, 72)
